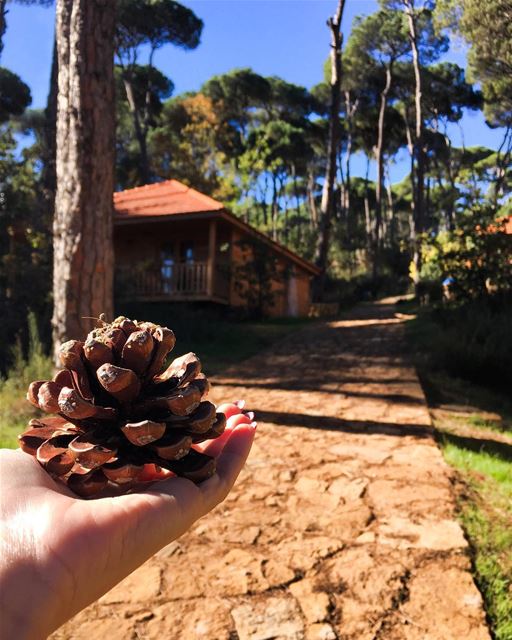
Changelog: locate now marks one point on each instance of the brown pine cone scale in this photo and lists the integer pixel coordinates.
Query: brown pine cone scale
(118, 410)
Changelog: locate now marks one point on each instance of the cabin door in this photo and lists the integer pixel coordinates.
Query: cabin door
(293, 295)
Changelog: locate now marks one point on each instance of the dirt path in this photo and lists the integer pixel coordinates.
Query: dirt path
(342, 524)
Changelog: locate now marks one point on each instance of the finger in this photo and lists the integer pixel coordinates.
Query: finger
(152, 472)
(229, 464)
(214, 447)
(240, 418)
(231, 408)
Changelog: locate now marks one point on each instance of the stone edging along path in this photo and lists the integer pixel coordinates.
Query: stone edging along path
(342, 524)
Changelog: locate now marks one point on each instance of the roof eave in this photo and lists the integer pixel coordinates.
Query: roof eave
(126, 219)
(305, 264)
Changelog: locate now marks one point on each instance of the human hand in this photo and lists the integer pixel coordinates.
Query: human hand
(60, 552)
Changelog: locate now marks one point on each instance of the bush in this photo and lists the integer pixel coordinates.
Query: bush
(15, 411)
(473, 342)
(477, 256)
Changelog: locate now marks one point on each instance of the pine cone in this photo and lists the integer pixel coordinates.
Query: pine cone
(118, 411)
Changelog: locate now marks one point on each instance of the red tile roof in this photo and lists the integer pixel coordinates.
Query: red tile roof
(162, 199)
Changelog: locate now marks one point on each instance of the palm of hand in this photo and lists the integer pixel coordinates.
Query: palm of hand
(62, 553)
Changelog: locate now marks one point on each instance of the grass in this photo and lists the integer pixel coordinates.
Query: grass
(485, 511)
(219, 342)
(474, 427)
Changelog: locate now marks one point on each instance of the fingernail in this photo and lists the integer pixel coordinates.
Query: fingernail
(253, 425)
(250, 415)
(240, 404)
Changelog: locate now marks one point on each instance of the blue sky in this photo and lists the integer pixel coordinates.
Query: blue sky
(287, 38)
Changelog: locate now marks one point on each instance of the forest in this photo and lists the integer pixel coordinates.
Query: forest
(407, 344)
(280, 156)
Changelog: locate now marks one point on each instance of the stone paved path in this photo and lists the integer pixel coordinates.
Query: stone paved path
(341, 525)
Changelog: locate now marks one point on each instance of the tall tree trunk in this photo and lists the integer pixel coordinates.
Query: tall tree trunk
(391, 208)
(263, 200)
(449, 168)
(313, 211)
(379, 187)
(140, 132)
(412, 215)
(327, 205)
(48, 173)
(275, 206)
(419, 151)
(350, 110)
(502, 161)
(296, 191)
(341, 188)
(83, 253)
(367, 214)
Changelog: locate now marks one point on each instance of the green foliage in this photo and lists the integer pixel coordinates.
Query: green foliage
(472, 341)
(485, 514)
(255, 277)
(188, 145)
(14, 95)
(25, 252)
(150, 87)
(477, 255)
(154, 23)
(491, 543)
(151, 24)
(235, 93)
(15, 411)
(382, 37)
(489, 35)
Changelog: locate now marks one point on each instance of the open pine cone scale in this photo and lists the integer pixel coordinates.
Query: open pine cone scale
(118, 411)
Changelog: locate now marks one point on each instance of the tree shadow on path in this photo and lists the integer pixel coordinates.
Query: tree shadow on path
(330, 423)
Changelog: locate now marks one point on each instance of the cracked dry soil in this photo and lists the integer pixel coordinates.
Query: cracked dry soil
(342, 524)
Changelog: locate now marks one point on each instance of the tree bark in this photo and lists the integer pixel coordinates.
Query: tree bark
(275, 206)
(367, 215)
(140, 132)
(391, 209)
(313, 211)
(327, 204)
(379, 156)
(83, 253)
(419, 151)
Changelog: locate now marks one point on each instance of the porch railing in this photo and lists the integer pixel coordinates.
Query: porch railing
(185, 280)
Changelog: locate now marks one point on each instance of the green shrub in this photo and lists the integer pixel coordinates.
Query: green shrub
(477, 255)
(15, 411)
(473, 342)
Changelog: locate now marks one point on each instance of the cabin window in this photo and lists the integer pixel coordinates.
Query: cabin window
(187, 252)
(167, 264)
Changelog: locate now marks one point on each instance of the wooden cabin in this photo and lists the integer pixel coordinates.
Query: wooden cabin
(173, 243)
